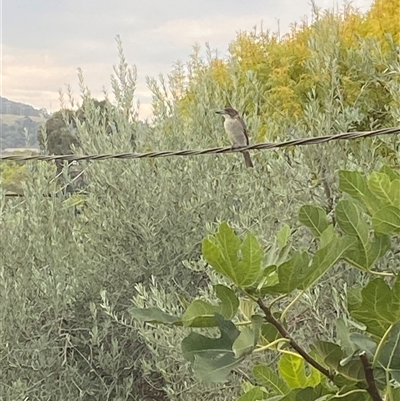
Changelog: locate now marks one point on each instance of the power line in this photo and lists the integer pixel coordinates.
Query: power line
(218, 150)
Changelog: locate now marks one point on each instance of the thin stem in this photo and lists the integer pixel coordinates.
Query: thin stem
(271, 345)
(384, 274)
(389, 392)
(294, 300)
(278, 325)
(277, 299)
(380, 345)
(369, 378)
(344, 395)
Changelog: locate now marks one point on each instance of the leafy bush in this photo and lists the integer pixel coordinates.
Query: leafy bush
(66, 278)
(363, 363)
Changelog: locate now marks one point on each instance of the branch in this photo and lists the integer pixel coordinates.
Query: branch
(278, 325)
(369, 378)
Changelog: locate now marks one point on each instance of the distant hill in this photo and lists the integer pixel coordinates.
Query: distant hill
(19, 109)
(19, 124)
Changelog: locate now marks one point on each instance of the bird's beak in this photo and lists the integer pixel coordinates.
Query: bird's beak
(220, 111)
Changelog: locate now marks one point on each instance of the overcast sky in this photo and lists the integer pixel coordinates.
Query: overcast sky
(45, 41)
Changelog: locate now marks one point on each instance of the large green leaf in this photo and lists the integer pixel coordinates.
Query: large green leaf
(293, 369)
(362, 342)
(269, 278)
(314, 218)
(212, 358)
(202, 314)
(393, 175)
(387, 220)
(249, 268)
(327, 236)
(229, 301)
(239, 261)
(364, 256)
(387, 189)
(254, 394)
(198, 345)
(244, 344)
(379, 184)
(355, 184)
(394, 193)
(379, 308)
(215, 370)
(290, 274)
(364, 253)
(310, 394)
(269, 333)
(248, 337)
(389, 357)
(221, 251)
(298, 273)
(332, 356)
(325, 258)
(349, 219)
(266, 376)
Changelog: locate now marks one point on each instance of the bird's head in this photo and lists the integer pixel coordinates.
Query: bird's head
(228, 112)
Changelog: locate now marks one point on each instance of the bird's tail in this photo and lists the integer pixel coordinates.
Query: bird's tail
(247, 159)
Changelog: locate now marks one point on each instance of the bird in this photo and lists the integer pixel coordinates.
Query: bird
(237, 132)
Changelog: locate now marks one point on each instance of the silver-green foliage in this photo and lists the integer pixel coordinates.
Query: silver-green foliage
(144, 218)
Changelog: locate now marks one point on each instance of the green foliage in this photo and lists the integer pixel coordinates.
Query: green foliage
(378, 307)
(20, 132)
(213, 358)
(330, 369)
(228, 263)
(76, 289)
(343, 65)
(380, 194)
(59, 133)
(12, 176)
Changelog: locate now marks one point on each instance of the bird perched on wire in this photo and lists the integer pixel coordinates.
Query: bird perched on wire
(237, 132)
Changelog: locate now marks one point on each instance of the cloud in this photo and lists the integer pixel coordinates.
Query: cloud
(35, 76)
(44, 42)
(216, 30)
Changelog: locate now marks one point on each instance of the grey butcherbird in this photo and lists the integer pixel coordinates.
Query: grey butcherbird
(237, 132)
